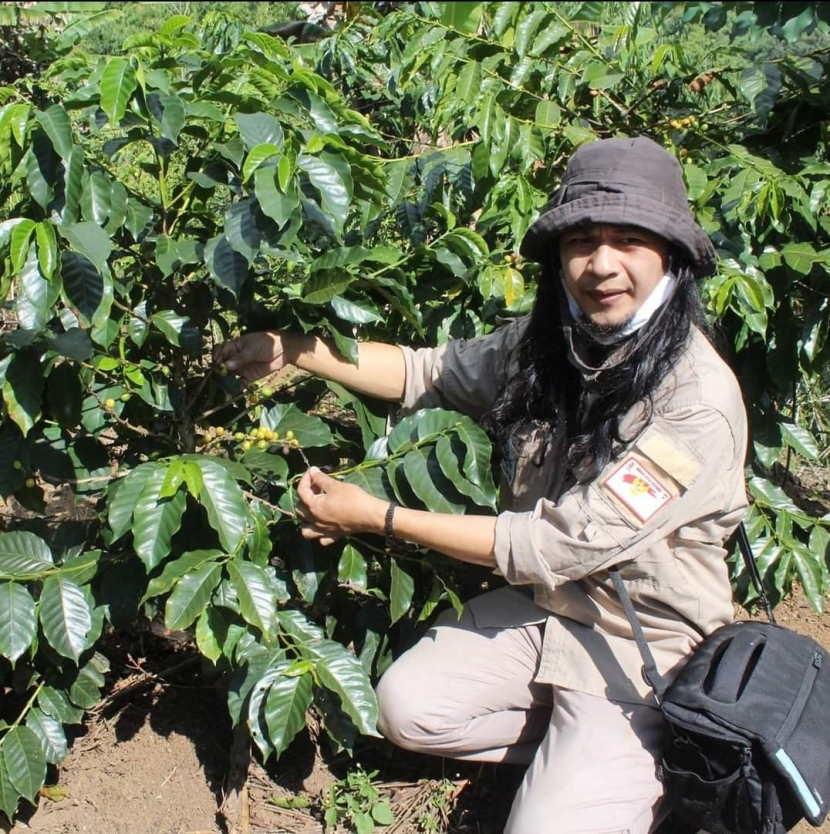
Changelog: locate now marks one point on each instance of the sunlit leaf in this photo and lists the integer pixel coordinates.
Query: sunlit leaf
(65, 616)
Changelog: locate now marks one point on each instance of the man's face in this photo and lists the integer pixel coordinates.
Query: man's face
(610, 270)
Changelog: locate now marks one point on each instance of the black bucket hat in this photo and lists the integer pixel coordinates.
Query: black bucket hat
(628, 181)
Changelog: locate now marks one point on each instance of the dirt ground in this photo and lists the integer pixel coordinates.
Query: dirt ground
(152, 759)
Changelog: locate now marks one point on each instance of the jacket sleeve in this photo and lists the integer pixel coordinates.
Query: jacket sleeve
(685, 471)
(461, 375)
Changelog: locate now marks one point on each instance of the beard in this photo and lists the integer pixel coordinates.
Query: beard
(605, 334)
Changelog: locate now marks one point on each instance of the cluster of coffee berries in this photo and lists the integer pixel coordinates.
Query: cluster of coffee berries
(260, 438)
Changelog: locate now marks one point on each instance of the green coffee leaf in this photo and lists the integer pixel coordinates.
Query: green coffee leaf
(351, 569)
(51, 735)
(340, 671)
(285, 709)
(224, 502)
(118, 83)
(156, 519)
(65, 616)
(24, 760)
(18, 620)
(191, 596)
(257, 601)
(401, 591)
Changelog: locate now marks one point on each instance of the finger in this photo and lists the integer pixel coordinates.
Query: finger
(327, 540)
(304, 489)
(320, 480)
(308, 531)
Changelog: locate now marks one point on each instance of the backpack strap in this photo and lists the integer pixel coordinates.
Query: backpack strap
(652, 676)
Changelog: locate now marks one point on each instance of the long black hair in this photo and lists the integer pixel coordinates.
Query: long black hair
(548, 389)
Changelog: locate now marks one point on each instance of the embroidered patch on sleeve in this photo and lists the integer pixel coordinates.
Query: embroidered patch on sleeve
(637, 489)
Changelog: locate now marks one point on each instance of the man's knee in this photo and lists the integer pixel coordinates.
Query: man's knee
(404, 717)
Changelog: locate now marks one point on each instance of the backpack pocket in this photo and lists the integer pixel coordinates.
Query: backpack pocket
(712, 792)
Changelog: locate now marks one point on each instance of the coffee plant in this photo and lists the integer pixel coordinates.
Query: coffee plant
(373, 185)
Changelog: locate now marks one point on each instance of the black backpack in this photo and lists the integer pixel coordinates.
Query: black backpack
(747, 747)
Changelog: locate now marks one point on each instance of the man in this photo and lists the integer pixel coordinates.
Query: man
(622, 437)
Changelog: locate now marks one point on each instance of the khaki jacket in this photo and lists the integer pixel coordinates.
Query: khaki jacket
(661, 510)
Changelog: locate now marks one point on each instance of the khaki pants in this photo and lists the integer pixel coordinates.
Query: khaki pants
(467, 692)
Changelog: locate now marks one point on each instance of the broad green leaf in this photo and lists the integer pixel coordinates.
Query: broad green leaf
(85, 691)
(83, 285)
(227, 266)
(55, 122)
(37, 295)
(257, 601)
(156, 520)
(257, 155)
(89, 240)
(23, 554)
(526, 31)
(354, 312)
(224, 502)
(801, 440)
(65, 616)
(9, 797)
(341, 672)
(324, 286)
(51, 735)
(24, 760)
(468, 87)
(171, 324)
(373, 481)
(464, 17)
(278, 204)
(23, 389)
(118, 82)
(811, 576)
(18, 620)
(55, 703)
(401, 591)
(123, 495)
(177, 568)
(96, 198)
(761, 86)
(351, 569)
(191, 596)
(309, 430)
(285, 709)
(168, 111)
(138, 218)
(19, 242)
(450, 466)
(421, 470)
(333, 181)
(47, 248)
(38, 181)
(73, 185)
(799, 256)
(211, 633)
(259, 129)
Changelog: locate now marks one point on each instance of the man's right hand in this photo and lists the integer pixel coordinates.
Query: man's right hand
(254, 355)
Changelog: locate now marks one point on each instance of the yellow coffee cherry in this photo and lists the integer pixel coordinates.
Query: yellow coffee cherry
(262, 444)
(260, 433)
(220, 431)
(267, 391)
(269, 434)
(30, 482)
(246, 445)
(109, 402)
(294, 443)
(289, 435)
(17, 464)
(239, 435)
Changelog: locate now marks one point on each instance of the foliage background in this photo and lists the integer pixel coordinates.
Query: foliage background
(202, 176)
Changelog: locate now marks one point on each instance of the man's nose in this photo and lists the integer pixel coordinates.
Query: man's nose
(605, 260)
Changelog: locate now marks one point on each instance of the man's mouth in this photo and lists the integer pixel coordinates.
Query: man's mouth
(607, 297)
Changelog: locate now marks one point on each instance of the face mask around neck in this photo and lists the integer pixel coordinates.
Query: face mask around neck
(659, 295)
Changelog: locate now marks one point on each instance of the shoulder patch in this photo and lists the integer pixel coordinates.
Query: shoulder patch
(638, 489)
(669, 456)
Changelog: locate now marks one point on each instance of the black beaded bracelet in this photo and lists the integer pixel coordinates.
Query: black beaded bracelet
(388, 528)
